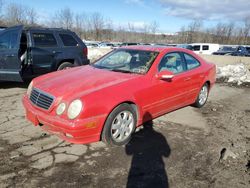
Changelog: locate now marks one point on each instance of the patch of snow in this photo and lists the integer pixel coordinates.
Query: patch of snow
(237, 73)
(94, 54)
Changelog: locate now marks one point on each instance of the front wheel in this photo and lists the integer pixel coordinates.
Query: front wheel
(119, 125)
(202, 97)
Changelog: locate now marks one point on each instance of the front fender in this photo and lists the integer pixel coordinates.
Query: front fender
(103, 103)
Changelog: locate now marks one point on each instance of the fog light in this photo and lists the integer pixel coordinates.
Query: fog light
(60, 109)
(68, 135)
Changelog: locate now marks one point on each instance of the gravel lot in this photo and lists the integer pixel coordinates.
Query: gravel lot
(208, 147)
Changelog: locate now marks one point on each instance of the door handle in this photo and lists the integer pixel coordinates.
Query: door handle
(187, 79)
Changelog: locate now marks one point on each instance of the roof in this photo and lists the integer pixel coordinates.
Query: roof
(147, 48)
(204, 44)
(45, 29)
(36, 28)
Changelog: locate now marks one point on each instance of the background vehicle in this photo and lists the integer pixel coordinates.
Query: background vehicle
(205, 48)
(233, 51)
(29, 52)
(122, 90)
(129, 44)
(105, 45)
(186, 46)
(91, 45)
(241, 51)
(225, 50)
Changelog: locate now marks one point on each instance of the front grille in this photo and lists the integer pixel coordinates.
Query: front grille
(41, 99)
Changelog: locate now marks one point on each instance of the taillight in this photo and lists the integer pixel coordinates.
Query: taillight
(85, 51)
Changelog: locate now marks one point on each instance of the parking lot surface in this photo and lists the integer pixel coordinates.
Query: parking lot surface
(208, 147)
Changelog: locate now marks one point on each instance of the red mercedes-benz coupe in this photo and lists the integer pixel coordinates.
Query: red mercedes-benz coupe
(108, 99)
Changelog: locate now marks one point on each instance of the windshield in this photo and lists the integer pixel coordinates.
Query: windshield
(127, 61)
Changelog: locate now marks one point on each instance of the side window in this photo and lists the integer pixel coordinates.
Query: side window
(8, 40)
(248, 49)
(191, 62)
(196, 48)
(172, 62)
(205, 47)
(44, 39)
(5, 40)
(68, 40)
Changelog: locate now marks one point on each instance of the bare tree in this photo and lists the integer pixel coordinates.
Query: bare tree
(109, 28)
(97, 22)
(208, 36)
(223, 33)
(153, 26)
(246, 30)
(79, 24)
(193, 30)
(230, 29)
(145, 31)
(15, 14)
(97, 27)
(1, 13)
(64, 18)
(131, 27)
(31, 16)
(183, 35)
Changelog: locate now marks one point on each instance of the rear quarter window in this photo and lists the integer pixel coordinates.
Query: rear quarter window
(68, 40)
(44, 39)
(191, 62)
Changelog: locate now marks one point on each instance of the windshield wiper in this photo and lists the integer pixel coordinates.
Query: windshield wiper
(115, 70)
(121, 70)
(99, 66)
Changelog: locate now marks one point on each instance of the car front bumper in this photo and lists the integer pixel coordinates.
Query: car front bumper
(81, 131)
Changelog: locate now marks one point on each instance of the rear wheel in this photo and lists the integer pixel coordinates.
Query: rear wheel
(202, 97)
(65, 65)
(119, 125)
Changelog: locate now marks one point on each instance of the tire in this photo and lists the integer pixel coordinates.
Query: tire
(65, 65)
(120, 125)
(202, 97)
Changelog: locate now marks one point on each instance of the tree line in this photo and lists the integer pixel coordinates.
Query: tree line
(94, 26)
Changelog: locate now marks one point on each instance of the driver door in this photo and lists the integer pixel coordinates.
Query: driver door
(10, 64)
(170, 94)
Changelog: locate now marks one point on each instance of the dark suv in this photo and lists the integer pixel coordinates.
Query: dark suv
(233, 51)
(29, 52)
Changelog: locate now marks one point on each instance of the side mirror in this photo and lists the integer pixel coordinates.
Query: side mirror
(165, 75)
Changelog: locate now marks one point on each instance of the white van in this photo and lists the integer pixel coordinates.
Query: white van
(205, 48)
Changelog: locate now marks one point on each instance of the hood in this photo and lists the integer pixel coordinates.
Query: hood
(83, 79)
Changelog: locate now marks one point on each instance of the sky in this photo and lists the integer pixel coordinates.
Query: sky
(170, 15)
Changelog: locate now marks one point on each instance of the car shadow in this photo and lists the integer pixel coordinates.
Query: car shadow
(148, 148)
(8, 85)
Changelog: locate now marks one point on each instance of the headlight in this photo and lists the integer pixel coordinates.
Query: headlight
(74, 109)
(29, 89)
(60, 109)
